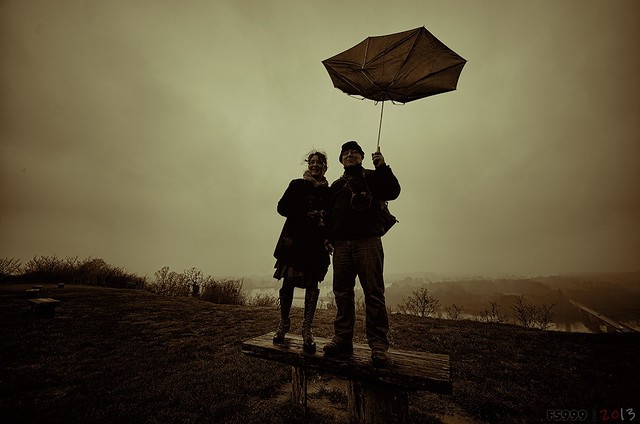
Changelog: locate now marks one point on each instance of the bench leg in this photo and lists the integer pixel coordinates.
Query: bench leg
(376, 403)
(299, 387)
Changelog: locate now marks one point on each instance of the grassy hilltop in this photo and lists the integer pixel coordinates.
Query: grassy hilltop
(122, 355)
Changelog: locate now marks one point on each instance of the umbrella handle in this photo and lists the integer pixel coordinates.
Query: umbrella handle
(380, 126)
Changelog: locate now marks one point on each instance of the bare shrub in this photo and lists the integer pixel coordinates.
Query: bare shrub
(453, 311)
(492, 314)
(523, 312)
(544, 316)
(263, 299)
(228, 292)
(92, 271)
(193, 282)
(169, 283)
(9, 267)
(44, 267)
(194, 279)
(532, 316)
(419, 303)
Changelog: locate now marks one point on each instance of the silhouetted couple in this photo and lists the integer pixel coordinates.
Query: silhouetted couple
(343, 219)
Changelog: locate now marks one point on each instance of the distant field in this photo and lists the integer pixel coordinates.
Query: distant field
(117, 355)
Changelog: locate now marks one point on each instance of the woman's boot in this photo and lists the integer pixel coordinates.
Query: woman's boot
(310, 304)
(286, 299)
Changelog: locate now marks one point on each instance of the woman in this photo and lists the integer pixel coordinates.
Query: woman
(302, 260)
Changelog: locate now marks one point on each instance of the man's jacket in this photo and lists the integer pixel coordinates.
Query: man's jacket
(356, 199)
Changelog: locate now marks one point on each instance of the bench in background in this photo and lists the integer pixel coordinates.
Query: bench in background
(33, 293)
(44, 306)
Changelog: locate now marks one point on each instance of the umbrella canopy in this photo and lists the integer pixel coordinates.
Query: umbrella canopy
(400, 67)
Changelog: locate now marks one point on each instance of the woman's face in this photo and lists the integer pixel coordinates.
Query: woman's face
(317, 167)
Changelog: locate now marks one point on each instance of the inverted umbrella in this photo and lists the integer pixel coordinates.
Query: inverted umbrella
(400, 67)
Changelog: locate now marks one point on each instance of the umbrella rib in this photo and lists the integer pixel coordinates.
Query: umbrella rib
(350, 84)
(366, 50)
(391, 47)
(415, 41)
(368, 77)
(439, 72)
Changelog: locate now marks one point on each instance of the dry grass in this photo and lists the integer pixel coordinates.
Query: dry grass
(115, 355)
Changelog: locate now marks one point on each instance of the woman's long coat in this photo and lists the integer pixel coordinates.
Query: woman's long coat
(301, 242)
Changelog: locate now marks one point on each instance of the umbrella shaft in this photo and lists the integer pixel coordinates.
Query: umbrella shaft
(380, 126)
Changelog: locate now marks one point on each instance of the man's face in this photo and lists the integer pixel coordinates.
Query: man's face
(351, 158)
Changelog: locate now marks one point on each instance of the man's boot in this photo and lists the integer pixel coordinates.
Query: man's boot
(338, 348)
(310, 304)
(286, 299)
(380, 358)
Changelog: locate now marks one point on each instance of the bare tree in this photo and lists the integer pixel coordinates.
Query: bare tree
(169, 283)
(93, 271)
(531, 316)
(523, 312)
(9, 266)
(43, 265)
(419, 303)
(194, 278)
(492, 314)
(453, 311)
(544, 316)
(72, 270)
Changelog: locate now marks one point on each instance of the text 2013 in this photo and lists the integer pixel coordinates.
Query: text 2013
(619, 414)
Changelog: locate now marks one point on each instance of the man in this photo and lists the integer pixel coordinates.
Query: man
(355, 229)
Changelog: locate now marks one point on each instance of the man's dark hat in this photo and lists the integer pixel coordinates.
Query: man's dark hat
(350, 145)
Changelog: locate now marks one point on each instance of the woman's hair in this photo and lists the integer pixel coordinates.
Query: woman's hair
(322, 155)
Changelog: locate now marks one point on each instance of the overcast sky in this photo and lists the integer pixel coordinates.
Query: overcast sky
(153, 133)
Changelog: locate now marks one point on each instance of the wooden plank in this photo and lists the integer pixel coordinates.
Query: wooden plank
(410, 370)
(44, 300)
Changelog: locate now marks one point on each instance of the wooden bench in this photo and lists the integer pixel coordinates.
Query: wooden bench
(44, 306)
(375, 394)
(32, 293)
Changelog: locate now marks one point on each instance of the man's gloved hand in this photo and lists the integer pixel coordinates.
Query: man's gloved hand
(378, 159)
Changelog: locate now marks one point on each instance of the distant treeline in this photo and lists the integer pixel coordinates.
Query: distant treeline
(97, 272)
(71, 270)
(616, 295)
(530, 302)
